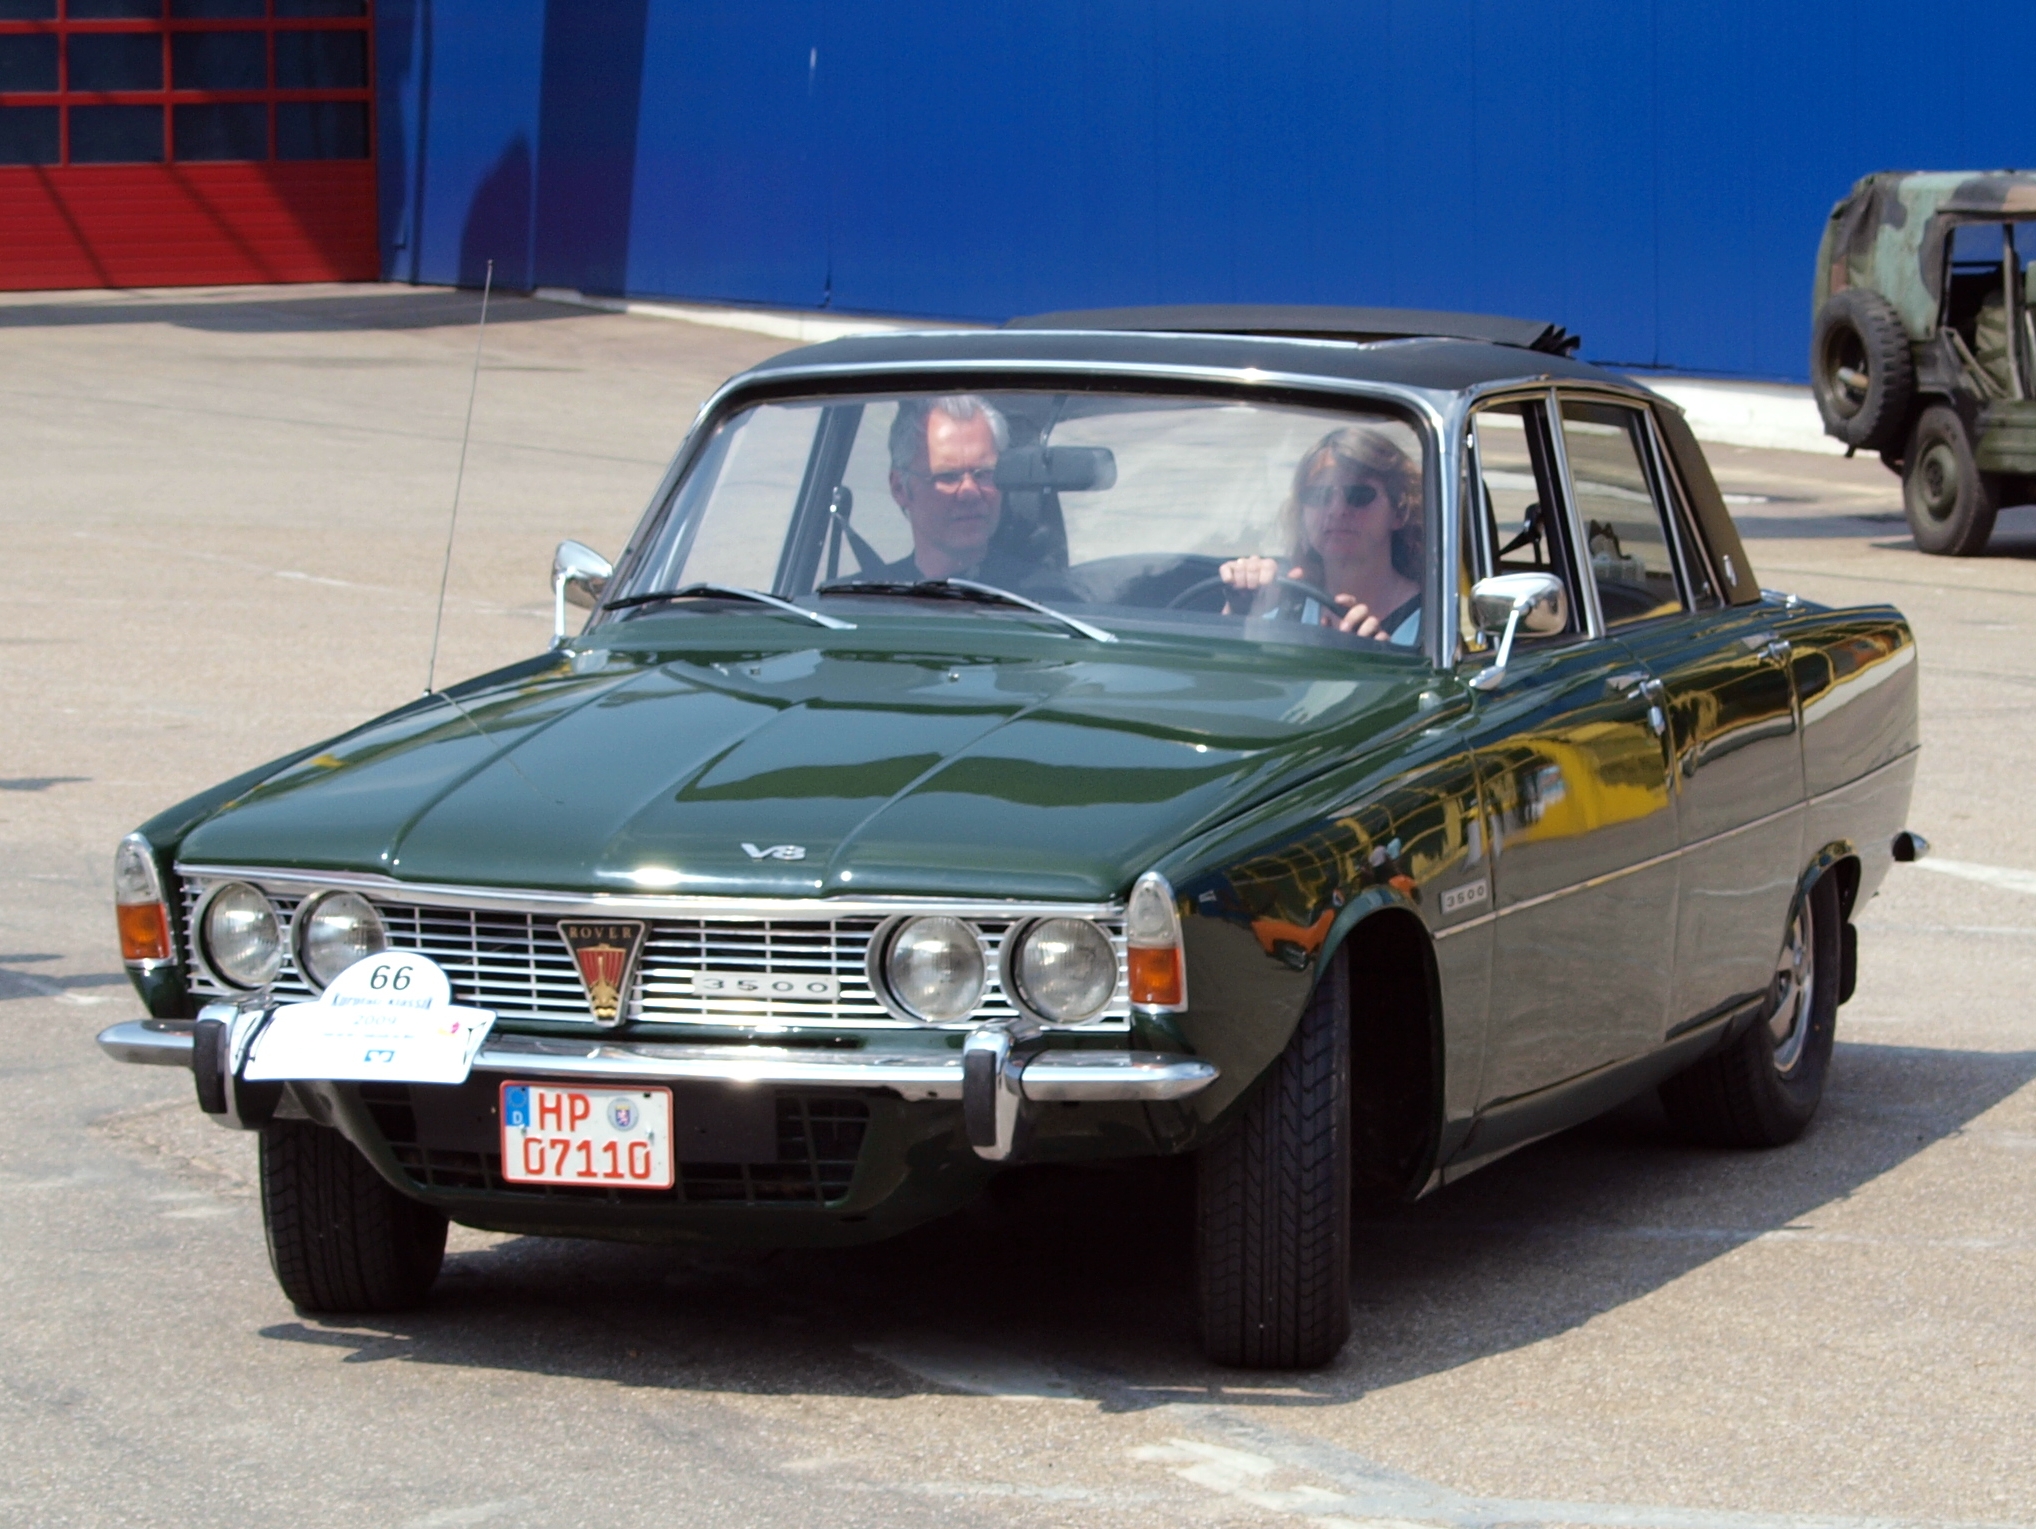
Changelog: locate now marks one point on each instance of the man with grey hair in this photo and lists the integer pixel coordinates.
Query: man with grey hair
(944, 455)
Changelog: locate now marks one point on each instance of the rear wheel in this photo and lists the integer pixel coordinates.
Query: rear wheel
(1762, 1089)
(1950, 503)
(340, 1239)
(1273, 1223)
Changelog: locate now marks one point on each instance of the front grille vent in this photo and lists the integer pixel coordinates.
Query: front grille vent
(518, 965)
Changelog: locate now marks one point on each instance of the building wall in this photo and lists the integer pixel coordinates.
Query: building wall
(1651, 174)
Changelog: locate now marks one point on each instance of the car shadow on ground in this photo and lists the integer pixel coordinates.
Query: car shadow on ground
(1086, 1274)
(276, 312)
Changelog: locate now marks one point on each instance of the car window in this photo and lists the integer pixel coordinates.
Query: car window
(1130, 506)
(1625, 533)
(1514, 509)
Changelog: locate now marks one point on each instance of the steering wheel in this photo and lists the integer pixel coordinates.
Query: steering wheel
(1299, 587)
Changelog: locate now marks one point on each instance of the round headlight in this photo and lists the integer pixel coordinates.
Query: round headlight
(336, 931)
(934, 969)
(1066, 970)
(242, 938)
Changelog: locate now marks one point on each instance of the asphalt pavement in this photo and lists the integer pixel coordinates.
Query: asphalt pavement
(224, 518)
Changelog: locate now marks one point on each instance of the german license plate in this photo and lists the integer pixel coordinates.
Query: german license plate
(612, 1138)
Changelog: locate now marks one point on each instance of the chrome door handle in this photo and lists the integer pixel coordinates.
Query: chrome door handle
(1634, 681)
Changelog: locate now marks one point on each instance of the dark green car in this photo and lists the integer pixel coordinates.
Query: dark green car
(1342, 745)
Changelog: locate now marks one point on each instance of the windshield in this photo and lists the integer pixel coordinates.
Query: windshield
(1215, 515)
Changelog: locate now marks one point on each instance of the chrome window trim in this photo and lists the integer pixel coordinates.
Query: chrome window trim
(1587, 583)
(1437, 409)
(646, 905)
(1669, 504)
(1688, 530)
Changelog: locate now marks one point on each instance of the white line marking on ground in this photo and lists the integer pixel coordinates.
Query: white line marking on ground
(2006, 878)
(1243, 1458)
(1366, 1496)
(978, 1371)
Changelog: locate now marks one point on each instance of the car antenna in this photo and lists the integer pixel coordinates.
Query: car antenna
(459, 477)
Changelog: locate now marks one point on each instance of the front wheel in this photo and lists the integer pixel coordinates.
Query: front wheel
(1273, 1214)
(340, 1239)
(1761, 1090)
(1950, 503)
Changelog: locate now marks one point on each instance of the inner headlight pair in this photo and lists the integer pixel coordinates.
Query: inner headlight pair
(1064, 969)
(244, 937)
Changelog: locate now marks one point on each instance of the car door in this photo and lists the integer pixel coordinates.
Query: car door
(1580, 816)
(1723, 676)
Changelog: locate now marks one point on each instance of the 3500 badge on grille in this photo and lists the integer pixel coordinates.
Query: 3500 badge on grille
(797, 985)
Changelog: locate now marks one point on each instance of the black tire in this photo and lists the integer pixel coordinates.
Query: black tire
(1951, 504)
(340, 1239)
(1273, 1211)
(1861, 370)
(1763, 1088)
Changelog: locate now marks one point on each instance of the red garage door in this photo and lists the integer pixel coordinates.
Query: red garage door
(167, 142)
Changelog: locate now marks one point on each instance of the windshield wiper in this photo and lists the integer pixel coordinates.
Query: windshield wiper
(965, 589)
(710, 591)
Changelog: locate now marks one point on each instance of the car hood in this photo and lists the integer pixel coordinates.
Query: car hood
(821, 770)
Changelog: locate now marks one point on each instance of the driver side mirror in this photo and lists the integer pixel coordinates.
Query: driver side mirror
(1508, 604)
(579, 575)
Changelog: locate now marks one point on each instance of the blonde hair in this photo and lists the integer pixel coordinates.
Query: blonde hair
(1373, 453)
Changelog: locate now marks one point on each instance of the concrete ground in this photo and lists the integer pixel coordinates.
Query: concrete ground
(224, 514)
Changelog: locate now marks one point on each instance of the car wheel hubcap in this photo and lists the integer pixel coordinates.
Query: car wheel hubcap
(1795, 977)
(1938, 478)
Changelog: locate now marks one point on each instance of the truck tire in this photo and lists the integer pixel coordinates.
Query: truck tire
(1951, 504)
(1762, 1089)
(1861, 370)
(1273, 1213)
(340, 1239)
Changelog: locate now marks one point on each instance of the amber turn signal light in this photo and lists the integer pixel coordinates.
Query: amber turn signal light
(1152, 938)
(144, 932)
(1156, 977)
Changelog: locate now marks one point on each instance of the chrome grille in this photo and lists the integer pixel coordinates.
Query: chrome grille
(517, 964)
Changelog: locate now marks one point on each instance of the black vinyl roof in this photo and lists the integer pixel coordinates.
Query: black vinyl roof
(1444, 365)
(1315, 324)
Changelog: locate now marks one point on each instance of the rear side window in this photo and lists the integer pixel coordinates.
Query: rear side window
(1628, 538)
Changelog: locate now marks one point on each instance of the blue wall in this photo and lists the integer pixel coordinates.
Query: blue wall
(1653, 175)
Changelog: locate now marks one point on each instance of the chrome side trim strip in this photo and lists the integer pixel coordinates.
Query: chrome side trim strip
(647, 904)
(1682, 849)
(1585, 885)
(149, 1042)
(1469, 923)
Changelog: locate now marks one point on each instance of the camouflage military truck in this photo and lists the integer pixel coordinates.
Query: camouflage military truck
(1924, 349)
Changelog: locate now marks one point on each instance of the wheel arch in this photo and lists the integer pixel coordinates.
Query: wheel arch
(1839, 858)
(1397, 1047)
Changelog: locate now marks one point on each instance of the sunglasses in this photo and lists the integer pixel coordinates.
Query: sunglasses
(950, 482)
(1320, 496)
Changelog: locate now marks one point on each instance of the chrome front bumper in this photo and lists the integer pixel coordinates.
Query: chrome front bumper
(997, 1077)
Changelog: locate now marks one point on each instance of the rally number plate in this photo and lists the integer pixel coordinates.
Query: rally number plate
(609, 1138)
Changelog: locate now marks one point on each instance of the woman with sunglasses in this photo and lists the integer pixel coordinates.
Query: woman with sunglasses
(1352, 523)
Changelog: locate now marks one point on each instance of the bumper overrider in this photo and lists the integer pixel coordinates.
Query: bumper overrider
(993, 1075)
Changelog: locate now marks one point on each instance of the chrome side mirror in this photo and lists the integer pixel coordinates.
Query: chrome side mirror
(580, 575)
(1510, 603)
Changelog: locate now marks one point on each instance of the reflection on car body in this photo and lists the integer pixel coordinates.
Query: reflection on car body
(919, 873)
